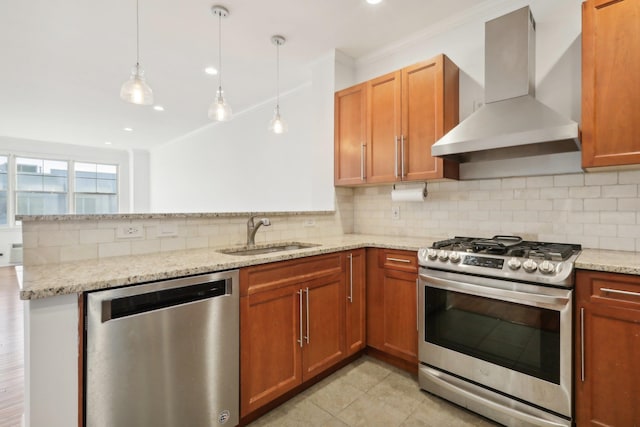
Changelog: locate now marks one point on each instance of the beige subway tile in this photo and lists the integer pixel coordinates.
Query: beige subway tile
(79, 253)
(97, 235)
(618, 243)
(629, 177)
(601, 178)
(139, 247)
(620, 191)
(571, 180)
(539, 181)
(600, 205)
(41, 256)
(618, 218)
(107, 250)
(57, 238)
(590, 192)
(172, 244)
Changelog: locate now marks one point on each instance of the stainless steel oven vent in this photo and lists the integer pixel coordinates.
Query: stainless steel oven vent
(512, 123)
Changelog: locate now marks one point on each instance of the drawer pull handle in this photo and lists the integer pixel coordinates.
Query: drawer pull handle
(617, 291)
(582, 343)
(407, 261)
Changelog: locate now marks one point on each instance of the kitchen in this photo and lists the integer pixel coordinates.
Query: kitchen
(572, 207)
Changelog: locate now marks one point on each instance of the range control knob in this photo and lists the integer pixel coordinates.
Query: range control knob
(432, 254)
(547, 267)
(443, 255)
(514, 263)
(454, 257)
(422, 253)
(530, 266)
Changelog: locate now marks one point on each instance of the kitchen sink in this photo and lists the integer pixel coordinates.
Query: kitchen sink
(266, 249)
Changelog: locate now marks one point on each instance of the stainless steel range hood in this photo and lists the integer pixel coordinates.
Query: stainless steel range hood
(512, 123)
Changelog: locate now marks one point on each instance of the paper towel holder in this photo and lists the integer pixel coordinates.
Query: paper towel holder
(424, 190)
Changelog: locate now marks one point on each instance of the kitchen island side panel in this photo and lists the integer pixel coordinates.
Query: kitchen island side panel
(51, 361)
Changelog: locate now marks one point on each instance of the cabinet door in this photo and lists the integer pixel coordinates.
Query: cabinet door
(429, 110)
(391, 303)
(383, 128)
(270, 356)
(355, 301)
(609, 323)
(350, 135)
(324, 304)
(610, 88)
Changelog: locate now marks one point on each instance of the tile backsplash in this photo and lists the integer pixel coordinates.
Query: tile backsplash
(599, 210)
(57, 241)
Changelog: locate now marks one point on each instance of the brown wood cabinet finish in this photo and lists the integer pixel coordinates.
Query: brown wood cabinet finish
(391, 303)
(350, 135)
(355, 301)
(607, 347)
(292, 325)
(406, 112)
(610, 85)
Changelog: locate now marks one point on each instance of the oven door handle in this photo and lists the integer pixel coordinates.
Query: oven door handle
(521, 297)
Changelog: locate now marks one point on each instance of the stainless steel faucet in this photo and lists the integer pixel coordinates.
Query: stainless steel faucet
(252, 228)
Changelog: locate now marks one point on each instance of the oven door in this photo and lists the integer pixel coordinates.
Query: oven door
(511, 337)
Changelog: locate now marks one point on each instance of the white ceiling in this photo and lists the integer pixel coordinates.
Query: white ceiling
(63, 61)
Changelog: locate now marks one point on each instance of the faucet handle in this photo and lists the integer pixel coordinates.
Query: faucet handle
(265, 221)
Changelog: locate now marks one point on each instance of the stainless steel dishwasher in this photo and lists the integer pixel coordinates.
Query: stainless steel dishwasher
(163, 354)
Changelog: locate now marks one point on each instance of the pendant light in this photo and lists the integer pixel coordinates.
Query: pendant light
(136, 90)
(277, 125)
(219, 110)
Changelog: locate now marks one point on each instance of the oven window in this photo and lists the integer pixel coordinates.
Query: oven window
(519, 337)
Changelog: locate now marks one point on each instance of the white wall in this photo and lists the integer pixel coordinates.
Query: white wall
(51, 150)
(240, 166)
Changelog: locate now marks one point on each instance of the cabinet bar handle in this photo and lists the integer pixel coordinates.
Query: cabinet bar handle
(362, 152)
(350, 297)
(307, 337)
(399, 260)
(395, 153)
(617, 291)
(300, 306)
(582, 343)
(418, 307)
(402, 154)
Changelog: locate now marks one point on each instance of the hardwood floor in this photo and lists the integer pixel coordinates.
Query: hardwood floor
(11, 350)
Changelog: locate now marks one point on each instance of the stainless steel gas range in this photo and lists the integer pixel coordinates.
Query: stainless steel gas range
(494, 325)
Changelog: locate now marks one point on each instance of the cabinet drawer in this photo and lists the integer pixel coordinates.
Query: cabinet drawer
(398, 260)
(283, 273)
(612, 289)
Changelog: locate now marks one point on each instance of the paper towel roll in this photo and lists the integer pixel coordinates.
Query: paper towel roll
(408, 195)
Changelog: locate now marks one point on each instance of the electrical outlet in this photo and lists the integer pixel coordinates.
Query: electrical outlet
(395, 212)
(130, 231)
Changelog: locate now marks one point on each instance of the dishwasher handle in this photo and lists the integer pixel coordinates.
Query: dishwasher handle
(150, 301)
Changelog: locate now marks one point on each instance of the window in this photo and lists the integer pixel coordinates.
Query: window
(4, 188)
(41, 186)
(96, 188)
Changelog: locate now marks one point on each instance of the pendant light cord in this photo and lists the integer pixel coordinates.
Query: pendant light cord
(220, 52)
(137, 35)
(278, 75)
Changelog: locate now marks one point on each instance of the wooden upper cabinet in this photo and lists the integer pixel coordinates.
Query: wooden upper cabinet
(383, 128)
(407, 111)
(610, 84)
(430, 105)
(350, 135)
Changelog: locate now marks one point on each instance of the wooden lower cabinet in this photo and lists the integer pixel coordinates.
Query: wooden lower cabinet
(607, 349)
(292, 325)
(356, 302)
(391, 303)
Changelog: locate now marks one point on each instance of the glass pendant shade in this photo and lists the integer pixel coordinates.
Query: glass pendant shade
(219, 110)
(277, 125)
(136, 90)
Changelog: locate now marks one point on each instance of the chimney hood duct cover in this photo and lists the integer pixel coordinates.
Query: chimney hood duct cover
(512, 123)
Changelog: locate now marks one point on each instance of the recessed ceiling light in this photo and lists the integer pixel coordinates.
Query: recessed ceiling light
(107, 143)
(158, 107)
(211, 71)
(127, 129)
(374, 1)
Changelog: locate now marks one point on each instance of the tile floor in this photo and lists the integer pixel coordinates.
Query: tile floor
(369, 393)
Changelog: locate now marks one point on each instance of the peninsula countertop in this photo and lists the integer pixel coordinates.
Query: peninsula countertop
(74, 277)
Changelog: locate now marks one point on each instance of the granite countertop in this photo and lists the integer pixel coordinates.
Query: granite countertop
(609, 261)
(73, 277)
